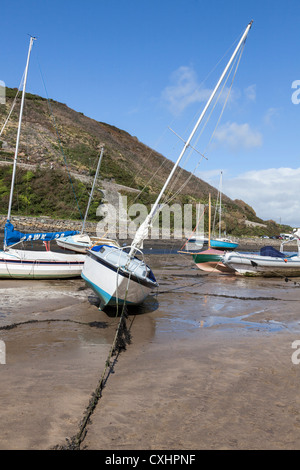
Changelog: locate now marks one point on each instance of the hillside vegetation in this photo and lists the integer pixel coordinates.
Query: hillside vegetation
(57, 141)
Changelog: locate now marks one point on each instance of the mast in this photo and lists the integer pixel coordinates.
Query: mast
(92, 190)
(220, 209)
(143, 229)
(19, 130)
(209, 219)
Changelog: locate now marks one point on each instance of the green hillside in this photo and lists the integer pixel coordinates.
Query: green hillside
(57, 141)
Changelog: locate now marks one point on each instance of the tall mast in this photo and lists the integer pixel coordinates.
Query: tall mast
(19, 129)
(141, 232)
(92, 190)
(209, 220)
(220, 209)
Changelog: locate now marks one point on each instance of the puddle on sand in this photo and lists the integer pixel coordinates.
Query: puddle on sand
(270, 325)
(189, 303)
(170, 323)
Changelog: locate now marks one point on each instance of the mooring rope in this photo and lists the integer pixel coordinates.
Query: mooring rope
(121, 339)
(92, 324)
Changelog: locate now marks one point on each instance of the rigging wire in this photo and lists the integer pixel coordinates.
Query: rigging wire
(13, 105)
(207, 119)
(237, 61)
(198, 88)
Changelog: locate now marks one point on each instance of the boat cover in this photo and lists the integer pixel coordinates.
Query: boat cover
(271, 251)
(12, 236)
(98, 247)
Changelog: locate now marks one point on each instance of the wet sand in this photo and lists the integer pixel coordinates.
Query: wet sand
(209, 367)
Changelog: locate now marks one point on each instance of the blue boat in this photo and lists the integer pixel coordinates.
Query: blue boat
(197, 243)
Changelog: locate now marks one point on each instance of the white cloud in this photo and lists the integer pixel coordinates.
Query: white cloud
(238, 136)
(250, 92)
(185, 90)
(273, 193)
(270, 116)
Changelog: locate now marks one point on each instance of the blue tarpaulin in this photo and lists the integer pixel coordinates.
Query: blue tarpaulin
(12, 236)
(271, 251)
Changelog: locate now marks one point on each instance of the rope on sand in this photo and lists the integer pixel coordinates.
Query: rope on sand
(121, 339)
(96, 324)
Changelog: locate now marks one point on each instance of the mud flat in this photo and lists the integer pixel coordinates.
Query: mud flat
(209, 366)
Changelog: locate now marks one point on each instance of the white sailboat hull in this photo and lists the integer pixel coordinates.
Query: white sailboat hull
(82, 243)
(258, 265)
(112, 282)
(22, 264)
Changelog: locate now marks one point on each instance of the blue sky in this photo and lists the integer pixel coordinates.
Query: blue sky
(146, 65)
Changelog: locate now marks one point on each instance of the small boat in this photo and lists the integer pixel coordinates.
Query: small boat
(116, 274)
(117, 278)
(81, 242)
(197, 243)
(28, 264)
(210, 260)
(31, 264)
(268, 263)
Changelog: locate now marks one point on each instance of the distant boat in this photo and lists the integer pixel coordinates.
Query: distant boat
(118, 276)
(30, 264)
(197, 243)
(269, 263)
(210, 260)
(81, 242)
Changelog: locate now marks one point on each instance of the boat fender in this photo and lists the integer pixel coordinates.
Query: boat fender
(285, 260)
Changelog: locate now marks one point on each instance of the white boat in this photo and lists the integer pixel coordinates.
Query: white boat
(115, 274)
(81, 242)
(27, 264)
(30, 264)
(269, 263)
(117, 277)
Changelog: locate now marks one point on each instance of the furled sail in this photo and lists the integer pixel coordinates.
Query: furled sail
(12, 236)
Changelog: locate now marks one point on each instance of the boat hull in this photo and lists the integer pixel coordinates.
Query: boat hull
(106, 275)
(81, 244)
(266, 266)
(21, 264)
(211, 261)
(223, 244)
(196, 244)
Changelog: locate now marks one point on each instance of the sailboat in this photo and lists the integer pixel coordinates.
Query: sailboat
(268, 263)
(117, 275)
(30, 264)
(210, 260)
(81, 242)
(221, 243)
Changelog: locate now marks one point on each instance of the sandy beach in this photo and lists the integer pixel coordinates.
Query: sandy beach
(209, 365)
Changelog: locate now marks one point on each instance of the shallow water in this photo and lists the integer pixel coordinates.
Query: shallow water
(191, 300)
(188, 300)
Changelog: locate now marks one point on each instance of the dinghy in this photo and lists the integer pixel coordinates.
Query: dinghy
(269, 263)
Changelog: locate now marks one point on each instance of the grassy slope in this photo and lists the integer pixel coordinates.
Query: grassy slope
(55, 135)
